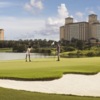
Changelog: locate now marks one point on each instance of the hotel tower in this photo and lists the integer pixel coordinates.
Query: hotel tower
(80, 30)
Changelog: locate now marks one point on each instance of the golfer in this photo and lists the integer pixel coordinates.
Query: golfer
(28, 53)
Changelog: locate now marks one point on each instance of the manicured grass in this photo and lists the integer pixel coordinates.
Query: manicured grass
(8, 94)
(5, 49)
(48, 68)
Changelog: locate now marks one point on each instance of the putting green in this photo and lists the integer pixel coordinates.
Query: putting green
(48, 68)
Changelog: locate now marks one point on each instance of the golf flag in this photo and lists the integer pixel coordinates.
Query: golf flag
(52, 43)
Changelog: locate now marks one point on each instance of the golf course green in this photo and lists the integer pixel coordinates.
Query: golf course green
(45, 69)
(48, 68)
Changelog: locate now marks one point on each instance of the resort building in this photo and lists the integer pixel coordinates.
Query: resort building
(1, 34)
(80, 30)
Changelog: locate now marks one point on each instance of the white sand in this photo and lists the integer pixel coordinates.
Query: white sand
(84, 85)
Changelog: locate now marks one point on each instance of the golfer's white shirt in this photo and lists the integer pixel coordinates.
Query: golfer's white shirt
(28, 51)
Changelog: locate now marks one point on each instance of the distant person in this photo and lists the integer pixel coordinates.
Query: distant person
(58, 51)
(28, 53)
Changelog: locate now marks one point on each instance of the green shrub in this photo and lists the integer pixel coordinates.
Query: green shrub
(71, 54)
(98, 54)
(90, 54)
(19, 48)
(70, 48)
(79, 53)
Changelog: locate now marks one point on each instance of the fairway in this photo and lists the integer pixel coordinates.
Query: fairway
(47, 68)
(8, 94)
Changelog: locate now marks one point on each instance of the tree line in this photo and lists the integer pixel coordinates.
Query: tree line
(43, 46)
(22, 45)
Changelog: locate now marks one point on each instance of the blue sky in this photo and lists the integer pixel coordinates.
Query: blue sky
(41, 19)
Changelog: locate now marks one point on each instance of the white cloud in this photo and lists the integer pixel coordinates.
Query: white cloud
(21, 28)
(29, 28)
(53, 23)
(34, 5)
(80, 14)
(62, 11)
(60, 19)
(90, 10)
(27, 7)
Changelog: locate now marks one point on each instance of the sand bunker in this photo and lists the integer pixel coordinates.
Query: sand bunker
(83, 85)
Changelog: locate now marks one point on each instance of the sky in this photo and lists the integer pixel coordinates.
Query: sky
(41, 19)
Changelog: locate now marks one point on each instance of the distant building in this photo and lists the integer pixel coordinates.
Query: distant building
(1, 34)
(80, 30)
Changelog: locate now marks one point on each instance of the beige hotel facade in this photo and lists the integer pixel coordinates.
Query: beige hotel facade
(80, 30)
(1, 34)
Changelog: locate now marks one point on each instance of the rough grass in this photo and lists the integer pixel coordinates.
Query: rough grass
(5, 49)
(48, 68)
(8, 94)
